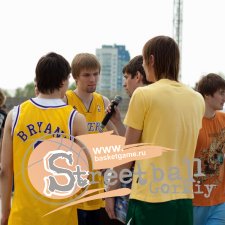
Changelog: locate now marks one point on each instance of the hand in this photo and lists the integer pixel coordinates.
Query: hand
(109, 207)
(115, 118)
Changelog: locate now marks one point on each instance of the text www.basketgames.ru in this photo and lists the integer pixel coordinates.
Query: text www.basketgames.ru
(114, 152)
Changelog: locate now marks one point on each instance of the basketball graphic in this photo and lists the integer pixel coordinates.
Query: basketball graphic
(58, 168)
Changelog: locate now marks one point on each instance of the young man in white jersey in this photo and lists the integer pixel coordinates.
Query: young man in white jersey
(165, 114)
(35, 119)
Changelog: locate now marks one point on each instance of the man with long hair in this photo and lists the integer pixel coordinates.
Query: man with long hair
(166, 113)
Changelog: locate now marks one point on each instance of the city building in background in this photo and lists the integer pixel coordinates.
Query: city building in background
(112, 59)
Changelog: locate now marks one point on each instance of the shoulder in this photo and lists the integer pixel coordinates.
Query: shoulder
(141, 93)
(105, 99)
(69, 93)
(99, 96)
(220, 114)
(25, 103)
(191, 93)
(79, 116)
(79, 120)
(102, 98)
(198, 97)
(70, 97)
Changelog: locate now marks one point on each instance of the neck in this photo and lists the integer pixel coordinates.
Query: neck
(53, 95)
(209, 112)
(141, 84)
(84, 96)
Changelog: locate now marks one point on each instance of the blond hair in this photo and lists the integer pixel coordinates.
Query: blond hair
(84, 61)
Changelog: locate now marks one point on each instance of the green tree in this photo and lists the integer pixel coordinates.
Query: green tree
(72, 86)
(27, 91)
(6, 93)
(19, 92)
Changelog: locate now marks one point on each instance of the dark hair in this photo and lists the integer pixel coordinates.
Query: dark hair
(134, 66)
(210, 83)
(51, 70)
(166, 57)
(84, 61)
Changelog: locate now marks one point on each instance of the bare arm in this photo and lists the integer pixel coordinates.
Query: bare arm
(6, 175)
(132, 137)
(79, 124)
(1, 136)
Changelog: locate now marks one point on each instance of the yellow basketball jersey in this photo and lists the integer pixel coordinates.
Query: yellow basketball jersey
(94, 116)
(33, 123)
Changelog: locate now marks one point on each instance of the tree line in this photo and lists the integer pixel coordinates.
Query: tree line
(28, 91)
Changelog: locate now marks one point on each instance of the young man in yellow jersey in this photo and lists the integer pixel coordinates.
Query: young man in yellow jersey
(85, 71)
(39, 118)
(169, 114)
(209, 185)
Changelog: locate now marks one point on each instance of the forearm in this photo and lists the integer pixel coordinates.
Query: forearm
(6, 174)
(111, 127)
(6, 189)
(115, 183)
(121, 129)
(110, 202)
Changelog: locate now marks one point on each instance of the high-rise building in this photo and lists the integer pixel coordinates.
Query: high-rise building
(112, 59)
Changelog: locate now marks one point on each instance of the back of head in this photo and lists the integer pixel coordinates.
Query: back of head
(210, 83)
(166, 57)
(84, 61)
(51, 70)
(2, 98)
(134, 66)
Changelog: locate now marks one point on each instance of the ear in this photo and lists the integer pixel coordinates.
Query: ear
(151, 60)
(138, 77)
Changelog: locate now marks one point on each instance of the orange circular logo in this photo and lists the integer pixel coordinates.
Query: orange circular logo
(58, 168)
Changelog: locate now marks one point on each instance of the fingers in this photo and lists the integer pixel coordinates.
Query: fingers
(116, 109)
(109, 108)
